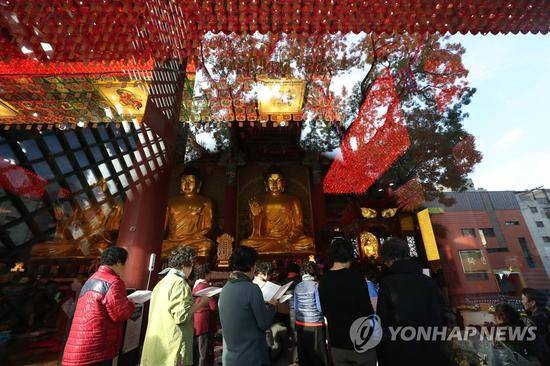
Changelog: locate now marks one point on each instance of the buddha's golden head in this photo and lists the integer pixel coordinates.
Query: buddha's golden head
(190, 182)
(274, 181)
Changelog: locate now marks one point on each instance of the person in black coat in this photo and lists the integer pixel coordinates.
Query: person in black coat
(408, 298)
(535, 301)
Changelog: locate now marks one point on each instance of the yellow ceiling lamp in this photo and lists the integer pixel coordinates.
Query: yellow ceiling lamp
(281, 99)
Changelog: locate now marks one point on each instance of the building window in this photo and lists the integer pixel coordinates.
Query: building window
(539, 223)
(468, 232)
(497, 250)
(546, 239)
(527, 253)
(53, 144)
(473, 261)
(511, 223)
(489, 232)
(63, 164)
(72, 139)
(43, 170)
(533, 209)
(7, 154)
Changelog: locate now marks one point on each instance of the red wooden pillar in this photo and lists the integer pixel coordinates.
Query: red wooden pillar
(142, 227)
(318, 203)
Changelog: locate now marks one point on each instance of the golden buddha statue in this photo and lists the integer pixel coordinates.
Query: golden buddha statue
(189, 217)
(85, 232)
(277, 221)
(369, 245)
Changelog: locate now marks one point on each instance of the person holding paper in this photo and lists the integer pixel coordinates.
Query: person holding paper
(243, 313)
(262, 274)
(169, 336)
(95, 337)
(310, 324)
(205, 320)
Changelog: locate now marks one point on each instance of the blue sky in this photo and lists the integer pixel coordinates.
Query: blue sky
(510, 113)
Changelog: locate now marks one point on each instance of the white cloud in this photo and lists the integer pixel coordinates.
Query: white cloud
(523, 172)
(510, 138)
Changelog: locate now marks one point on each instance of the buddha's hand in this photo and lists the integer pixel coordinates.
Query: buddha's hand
(255, 207)
(58, 213)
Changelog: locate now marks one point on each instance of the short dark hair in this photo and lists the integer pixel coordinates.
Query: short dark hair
(243, 258)
(182, 257)
(113, 255)
(264, 268)
(508, 314)
(202, 270)
(535, 295)
(340, 250)
(394, 249)
(310, 268)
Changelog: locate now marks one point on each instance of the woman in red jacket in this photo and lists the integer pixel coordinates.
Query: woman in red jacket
(204, 320)
(96, 332)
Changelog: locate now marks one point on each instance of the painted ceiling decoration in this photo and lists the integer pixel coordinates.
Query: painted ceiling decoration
(71, 100)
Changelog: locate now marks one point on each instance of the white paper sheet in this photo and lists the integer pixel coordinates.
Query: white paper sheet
(282, 290)
(285, 298)
(272, 291)
(140, 296)
(209, 291)
(269, 289)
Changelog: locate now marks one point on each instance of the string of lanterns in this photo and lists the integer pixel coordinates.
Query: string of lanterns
(375, 140)
(141, 30)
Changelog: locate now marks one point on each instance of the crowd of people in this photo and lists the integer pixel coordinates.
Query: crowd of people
(314, 327)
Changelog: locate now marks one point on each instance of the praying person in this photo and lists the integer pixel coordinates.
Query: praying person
(407, 297)
(169, 336)
(310, 324)
(205, 320)
(244, 315)
(263, 273)
(95, 337)
(344, 299)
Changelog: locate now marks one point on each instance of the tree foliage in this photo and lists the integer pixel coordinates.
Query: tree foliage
(430, 82)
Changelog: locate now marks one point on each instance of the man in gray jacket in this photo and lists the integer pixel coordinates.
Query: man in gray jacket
(243, 313)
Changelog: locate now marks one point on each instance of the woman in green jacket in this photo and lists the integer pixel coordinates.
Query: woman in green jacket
(169, 336)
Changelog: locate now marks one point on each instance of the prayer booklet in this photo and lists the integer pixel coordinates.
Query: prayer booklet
(140, 296)
(285, 298)
(209, 291)
(272, 291)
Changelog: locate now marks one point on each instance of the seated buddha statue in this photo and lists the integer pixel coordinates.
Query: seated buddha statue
(85, 232)
(75, 233)
(189, 217)
(277, 221)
